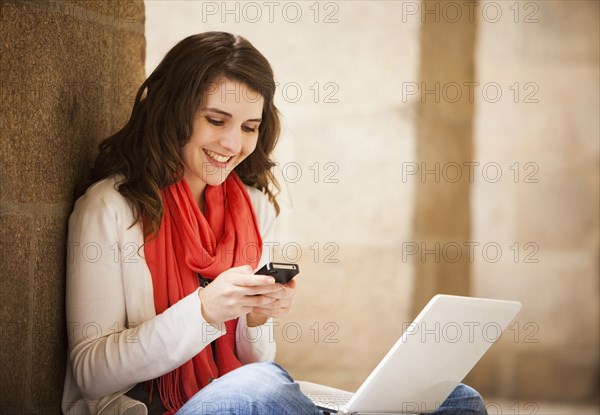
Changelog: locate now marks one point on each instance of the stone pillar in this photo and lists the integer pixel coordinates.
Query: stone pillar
(68, 74)
(444, 145)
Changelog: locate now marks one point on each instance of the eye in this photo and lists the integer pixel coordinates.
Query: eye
(214, 122)
(249, 129)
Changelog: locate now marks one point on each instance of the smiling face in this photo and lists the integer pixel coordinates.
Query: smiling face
(225, 132)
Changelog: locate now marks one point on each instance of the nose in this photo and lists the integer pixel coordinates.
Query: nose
(232, 140)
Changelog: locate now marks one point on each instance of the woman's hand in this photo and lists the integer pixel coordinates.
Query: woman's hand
(236, 292)
(280, 306)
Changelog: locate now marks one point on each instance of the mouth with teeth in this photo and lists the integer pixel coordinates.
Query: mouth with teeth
(216, 158)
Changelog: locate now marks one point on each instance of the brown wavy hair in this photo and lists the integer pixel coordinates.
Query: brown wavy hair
(146, 151)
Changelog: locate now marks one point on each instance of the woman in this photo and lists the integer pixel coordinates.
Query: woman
(183, 193)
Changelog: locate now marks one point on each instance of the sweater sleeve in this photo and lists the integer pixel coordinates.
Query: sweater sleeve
(106, 355)
(257, 344)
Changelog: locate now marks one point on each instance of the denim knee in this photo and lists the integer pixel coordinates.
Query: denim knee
(277, 392)
(464, 400)
(270, 375)
(253, 389)
(470, 400)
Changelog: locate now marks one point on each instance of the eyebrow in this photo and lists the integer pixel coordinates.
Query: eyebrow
(228, 114)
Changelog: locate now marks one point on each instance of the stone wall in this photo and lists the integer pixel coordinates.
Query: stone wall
(68, 73)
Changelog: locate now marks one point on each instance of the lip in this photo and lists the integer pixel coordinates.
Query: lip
(215, 162)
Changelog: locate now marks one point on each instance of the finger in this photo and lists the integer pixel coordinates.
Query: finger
(289, 290)
(264, 311)
(251, 280)
(233, 274)
(256, 301)
(273, 313)
(277, 305)
(278, 295)
(242, 269)
(271, 290)
(270, 305)
(283, 294)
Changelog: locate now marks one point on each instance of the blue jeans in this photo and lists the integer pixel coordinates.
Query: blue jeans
(267, 389)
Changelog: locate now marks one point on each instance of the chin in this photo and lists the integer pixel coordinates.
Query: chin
(216, 179)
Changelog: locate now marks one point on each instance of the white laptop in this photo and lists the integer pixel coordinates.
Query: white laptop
(430, 359)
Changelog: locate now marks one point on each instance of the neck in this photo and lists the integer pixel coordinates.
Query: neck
(197, 187)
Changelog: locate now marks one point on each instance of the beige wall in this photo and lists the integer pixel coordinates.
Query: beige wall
(546, 218)
(66, 75)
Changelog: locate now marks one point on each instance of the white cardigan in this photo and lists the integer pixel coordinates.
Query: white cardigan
(115, 337)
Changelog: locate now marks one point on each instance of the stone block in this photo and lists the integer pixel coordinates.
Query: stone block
(127, 14)
(15, 308)
(48, 352)
(48, 115)
(486, 377)
(560, 282)
(563, 32)
(551, 201)
(366, 176)
(61, 136)
(127, 75)
(536, 375)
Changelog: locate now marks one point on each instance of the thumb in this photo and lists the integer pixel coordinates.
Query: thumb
(244, 269)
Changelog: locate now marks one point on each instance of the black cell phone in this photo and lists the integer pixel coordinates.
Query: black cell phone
(280, 271)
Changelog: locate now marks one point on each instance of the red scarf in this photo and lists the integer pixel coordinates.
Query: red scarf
(189, 243)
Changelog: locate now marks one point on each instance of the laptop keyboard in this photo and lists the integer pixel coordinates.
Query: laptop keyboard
(334, 401)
